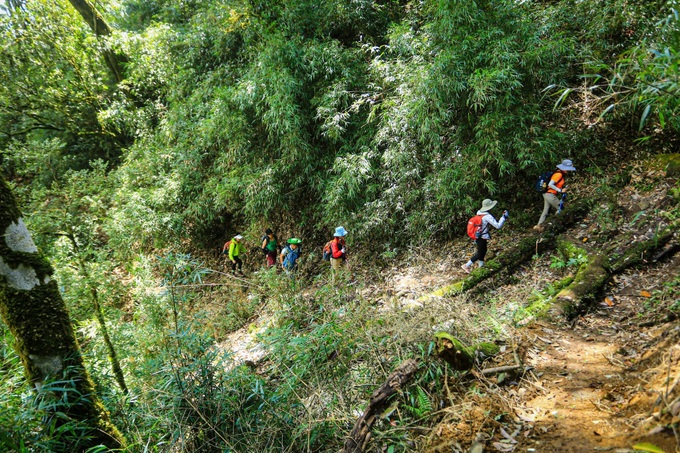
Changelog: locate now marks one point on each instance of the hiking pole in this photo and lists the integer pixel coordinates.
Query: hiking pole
(564, 197)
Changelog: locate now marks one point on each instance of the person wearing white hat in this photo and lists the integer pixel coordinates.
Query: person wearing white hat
(555, 187)
(338, 248)
(235, 249)
(482, 235)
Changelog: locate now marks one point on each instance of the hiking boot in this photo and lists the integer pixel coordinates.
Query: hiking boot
(465, 268)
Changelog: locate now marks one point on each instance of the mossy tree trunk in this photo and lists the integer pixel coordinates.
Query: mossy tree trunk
(586, 286)
(32, 308)
(591, 278)
(642, 252)
(461, 357)
(114, 61)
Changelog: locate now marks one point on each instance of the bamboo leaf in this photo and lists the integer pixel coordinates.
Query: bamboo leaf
(646, 446)
(607, 110)
(645, 114)
(562, 97)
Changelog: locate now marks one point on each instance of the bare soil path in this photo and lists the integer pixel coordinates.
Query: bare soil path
(605, 382)
(608, 383)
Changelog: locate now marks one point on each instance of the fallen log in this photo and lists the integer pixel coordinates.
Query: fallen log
(591, 278)
(361, 433)
(643, 251)
(510, 259)
(585, 288)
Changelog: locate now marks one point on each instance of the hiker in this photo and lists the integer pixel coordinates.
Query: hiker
(269, 247)
(478, 229)
(555, 186)
(290, 254)
(338, 248)
(235, 250)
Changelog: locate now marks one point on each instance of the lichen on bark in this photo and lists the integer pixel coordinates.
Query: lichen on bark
(36, 315)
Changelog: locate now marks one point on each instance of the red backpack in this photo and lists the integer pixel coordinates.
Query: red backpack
(474, 227)
(225, 249)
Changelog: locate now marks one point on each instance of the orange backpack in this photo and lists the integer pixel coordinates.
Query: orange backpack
(327, 251)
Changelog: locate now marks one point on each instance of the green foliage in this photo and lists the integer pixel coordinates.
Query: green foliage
(392, 119)
(38, 419)
(18, 424)
(559, 262)
(274, 116)
(667, 297)
(642, 79)
(54, 85)
(538, 303)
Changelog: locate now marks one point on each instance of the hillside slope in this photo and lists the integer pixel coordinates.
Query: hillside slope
(601, 376)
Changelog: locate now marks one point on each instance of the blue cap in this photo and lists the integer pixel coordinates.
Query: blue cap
(340, 232)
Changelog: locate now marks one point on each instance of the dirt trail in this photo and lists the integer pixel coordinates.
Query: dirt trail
(601, 383)
(576, 374)
(605, 378)
(606, 381)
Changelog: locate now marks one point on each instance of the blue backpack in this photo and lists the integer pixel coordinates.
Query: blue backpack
(292, 255)
(541, 184)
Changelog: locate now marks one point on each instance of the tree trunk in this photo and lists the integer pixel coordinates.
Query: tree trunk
(585, 288)
(643, 251)
(99, 27)
(591, 278)
(461, 358)
(32, 308)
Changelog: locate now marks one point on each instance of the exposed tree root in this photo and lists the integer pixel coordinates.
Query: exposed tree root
(361, 433)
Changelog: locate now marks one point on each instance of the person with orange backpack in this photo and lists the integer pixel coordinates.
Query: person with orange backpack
(478, 231)
(337, 250)
(553, 187)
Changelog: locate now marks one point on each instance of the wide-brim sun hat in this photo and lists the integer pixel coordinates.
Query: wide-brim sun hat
(294, 241)
(238, 237)
(487, 205)
(566, 165)
(340, 232)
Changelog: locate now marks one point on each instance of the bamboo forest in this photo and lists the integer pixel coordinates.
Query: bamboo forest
(347, 226)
